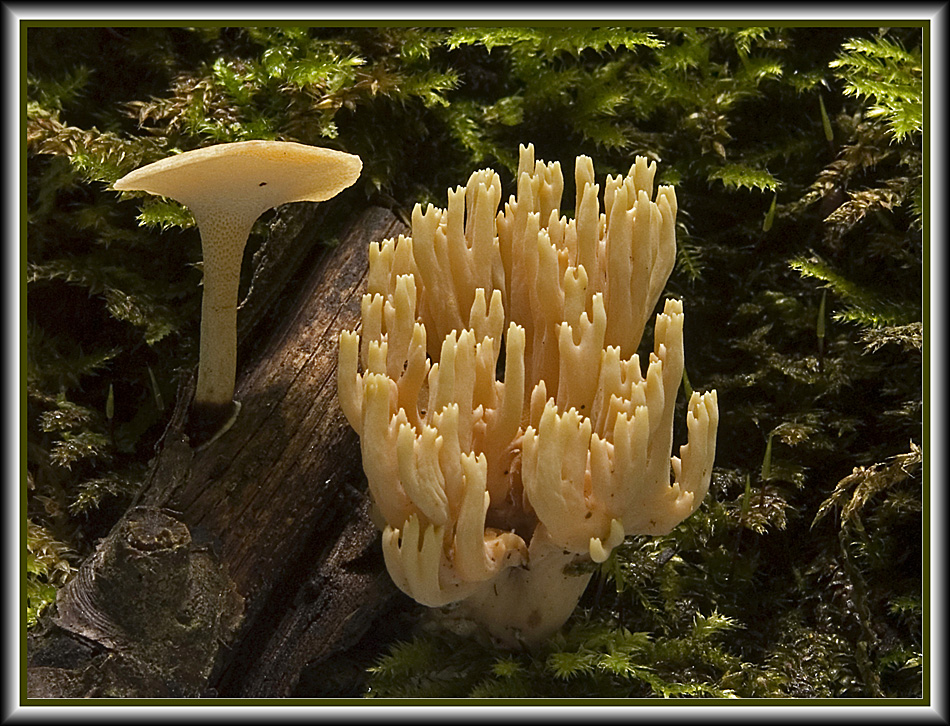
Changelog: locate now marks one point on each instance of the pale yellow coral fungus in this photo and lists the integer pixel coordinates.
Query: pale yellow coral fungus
(487, 488)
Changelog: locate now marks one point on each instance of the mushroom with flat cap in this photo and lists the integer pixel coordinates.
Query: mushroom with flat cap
(227, 187)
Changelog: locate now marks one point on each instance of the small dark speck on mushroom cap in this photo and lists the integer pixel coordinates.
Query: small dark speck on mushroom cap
(224, 175)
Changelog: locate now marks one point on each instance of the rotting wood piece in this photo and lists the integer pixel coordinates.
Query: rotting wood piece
(329, 612)
(156, 604)
(276, 492)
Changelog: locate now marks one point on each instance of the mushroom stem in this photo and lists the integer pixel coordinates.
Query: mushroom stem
(218, 359)
(223, 239)
(526, 605)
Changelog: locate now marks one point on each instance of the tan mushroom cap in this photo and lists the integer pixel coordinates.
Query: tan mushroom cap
(254, 175)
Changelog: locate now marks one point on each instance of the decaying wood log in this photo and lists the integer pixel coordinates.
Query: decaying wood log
(252, 557)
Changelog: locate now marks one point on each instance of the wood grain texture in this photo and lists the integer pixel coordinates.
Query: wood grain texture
(278, 470)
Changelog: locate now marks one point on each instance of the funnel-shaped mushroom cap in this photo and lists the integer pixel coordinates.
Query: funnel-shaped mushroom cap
(252, 175)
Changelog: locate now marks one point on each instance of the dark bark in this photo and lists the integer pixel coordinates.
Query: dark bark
(242, 562)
